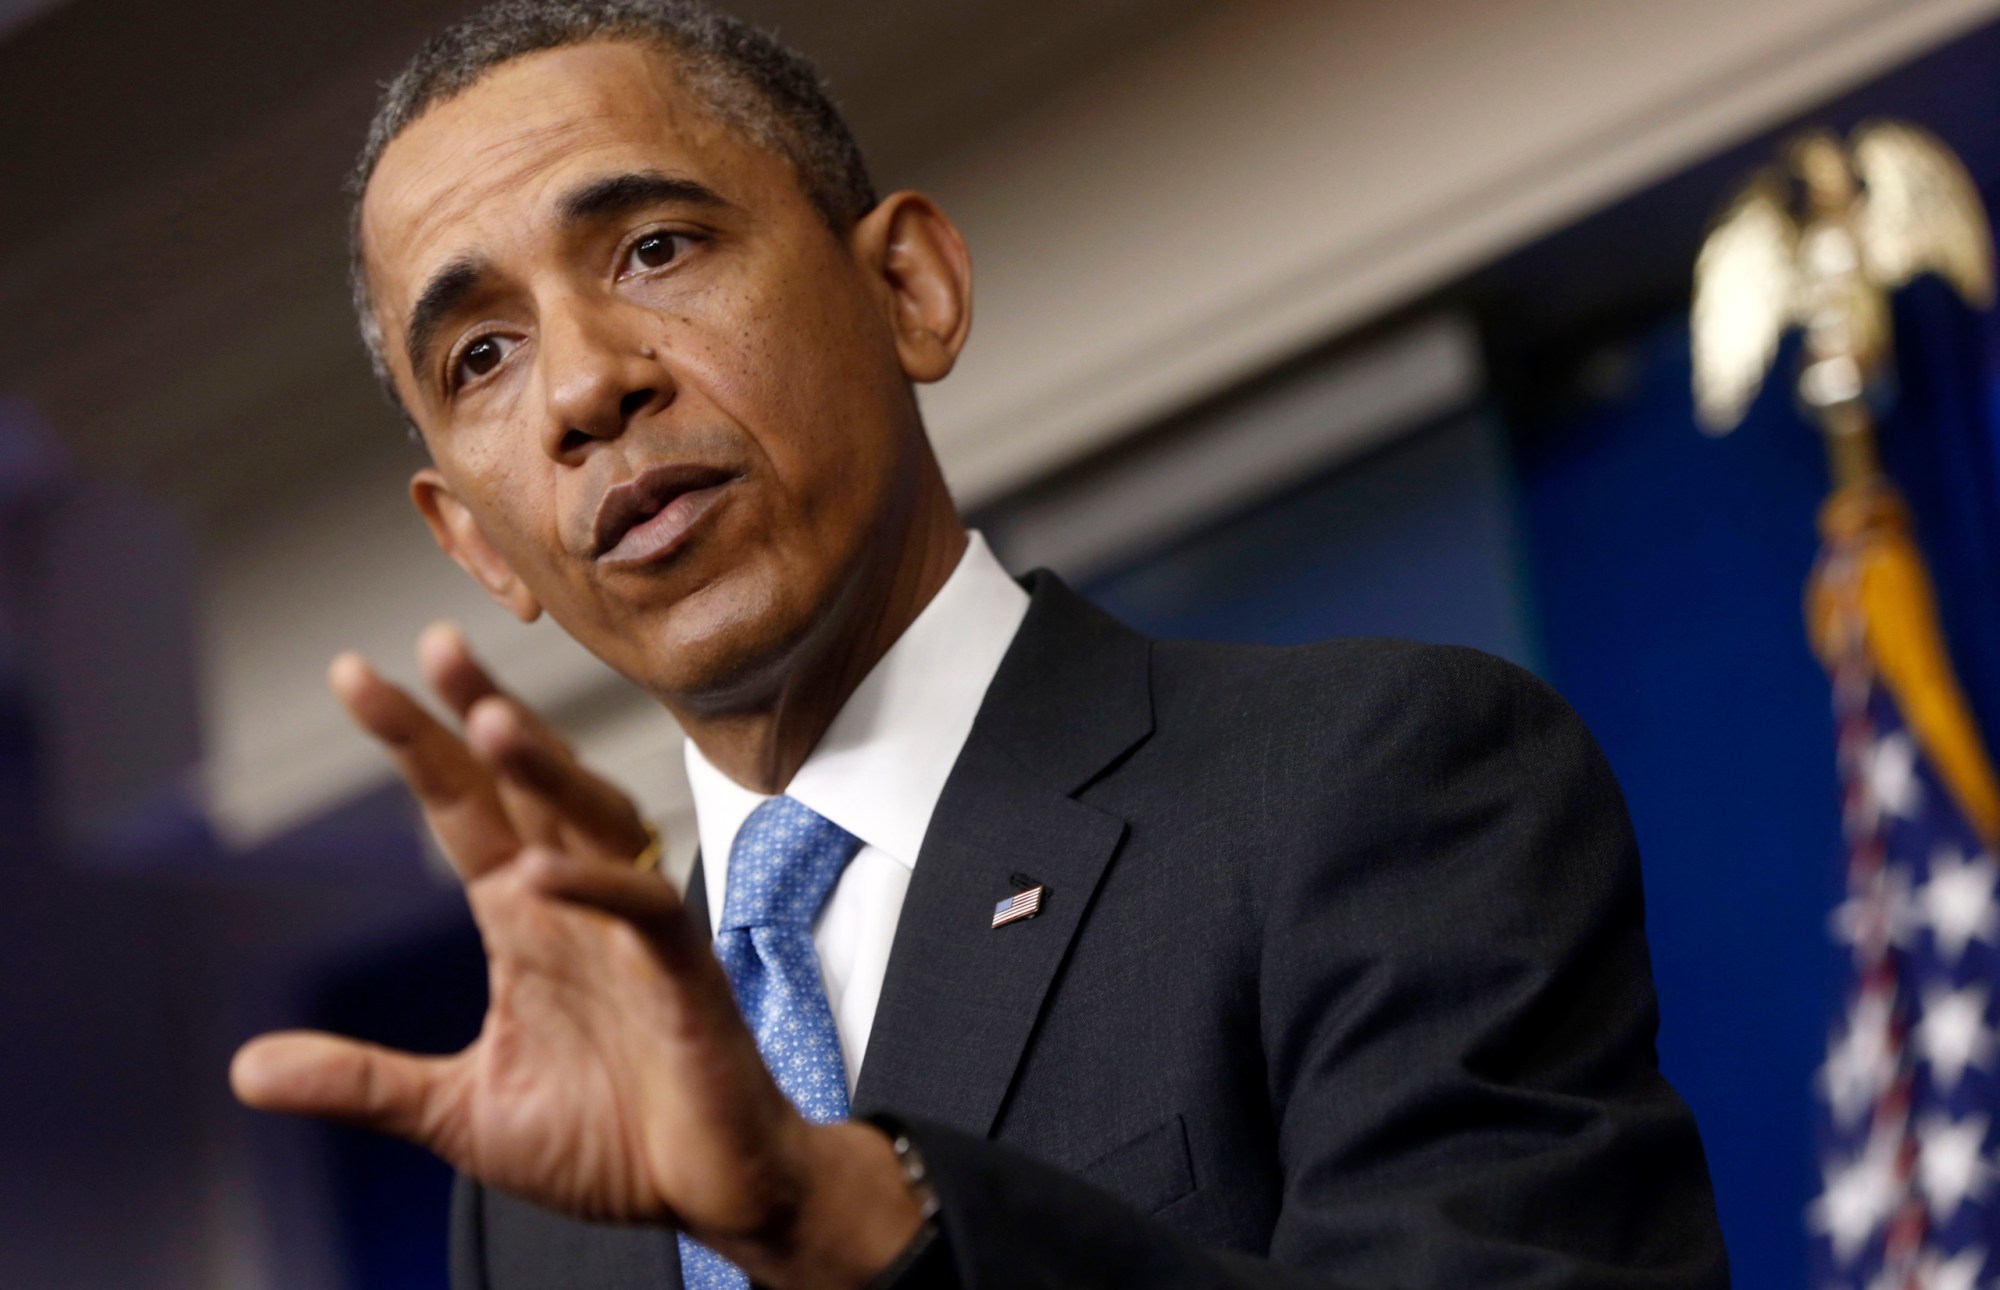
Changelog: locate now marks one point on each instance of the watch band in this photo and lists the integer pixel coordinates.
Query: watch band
(925, 1263)
(915, 1173)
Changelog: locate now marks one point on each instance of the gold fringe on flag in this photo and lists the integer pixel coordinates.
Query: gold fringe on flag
(1870, 592)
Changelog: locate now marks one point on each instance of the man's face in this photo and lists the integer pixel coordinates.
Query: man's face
(597, 298)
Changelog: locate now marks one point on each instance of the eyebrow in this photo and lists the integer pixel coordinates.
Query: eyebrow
(622, 194)
(448, 288)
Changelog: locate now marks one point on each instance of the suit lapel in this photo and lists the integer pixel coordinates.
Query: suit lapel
(695, 897)
(961, 997)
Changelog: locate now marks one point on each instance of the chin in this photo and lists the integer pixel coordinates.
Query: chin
(724, 648)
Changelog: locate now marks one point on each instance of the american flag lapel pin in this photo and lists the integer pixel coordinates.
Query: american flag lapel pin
(1020, 905)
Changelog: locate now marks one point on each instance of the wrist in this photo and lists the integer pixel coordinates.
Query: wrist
(855, 1214)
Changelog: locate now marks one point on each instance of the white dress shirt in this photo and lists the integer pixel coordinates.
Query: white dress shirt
(877, 772)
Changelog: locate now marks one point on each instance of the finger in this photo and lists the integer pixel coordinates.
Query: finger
(459, 797)
(447, 662)
(593, 816)
(501, 734)
(303, 1072)
(462, 681)
(645, 900)
(551, 797)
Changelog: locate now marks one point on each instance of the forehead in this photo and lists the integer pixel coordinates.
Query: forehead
(478, 169)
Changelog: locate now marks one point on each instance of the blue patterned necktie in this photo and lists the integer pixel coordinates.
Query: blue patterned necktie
(783, 866)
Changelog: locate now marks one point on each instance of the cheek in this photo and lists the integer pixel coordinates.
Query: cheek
(797, 374)
(518, 509)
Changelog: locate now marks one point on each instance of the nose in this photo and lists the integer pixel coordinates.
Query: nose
(600, 373)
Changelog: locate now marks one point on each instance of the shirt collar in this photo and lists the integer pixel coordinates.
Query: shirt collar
(881, 766)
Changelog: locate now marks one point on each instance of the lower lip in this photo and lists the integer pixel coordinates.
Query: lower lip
(667, 531)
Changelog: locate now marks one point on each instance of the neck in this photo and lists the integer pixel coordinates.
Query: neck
(763, 746)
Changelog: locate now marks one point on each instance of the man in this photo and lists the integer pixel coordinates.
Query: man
(1063, 957)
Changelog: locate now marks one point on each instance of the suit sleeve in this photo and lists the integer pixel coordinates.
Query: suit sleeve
(1457, 1017)
(468, 1235)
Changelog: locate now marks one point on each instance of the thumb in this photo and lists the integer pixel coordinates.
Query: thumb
(303, 1072)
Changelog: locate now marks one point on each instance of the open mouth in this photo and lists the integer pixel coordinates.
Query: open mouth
(651, 514)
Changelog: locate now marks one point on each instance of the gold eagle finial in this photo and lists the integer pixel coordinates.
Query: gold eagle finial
(1820, 242)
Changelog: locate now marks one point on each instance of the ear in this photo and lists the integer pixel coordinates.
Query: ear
(920, 259)
(458, 535)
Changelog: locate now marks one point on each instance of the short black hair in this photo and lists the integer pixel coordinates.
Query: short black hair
(746, 77)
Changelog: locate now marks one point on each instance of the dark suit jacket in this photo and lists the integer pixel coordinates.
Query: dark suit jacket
(1340, 980)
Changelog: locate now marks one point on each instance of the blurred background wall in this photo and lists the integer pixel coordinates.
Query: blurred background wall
(1295, 319)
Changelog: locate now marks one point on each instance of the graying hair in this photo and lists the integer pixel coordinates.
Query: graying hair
(748, 79)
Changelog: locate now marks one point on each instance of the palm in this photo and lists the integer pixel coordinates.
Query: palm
(600, 1078)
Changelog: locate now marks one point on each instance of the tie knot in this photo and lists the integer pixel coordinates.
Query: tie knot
(783, 865)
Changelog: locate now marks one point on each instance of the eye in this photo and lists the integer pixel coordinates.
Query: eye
(479, 358)
(654, 251)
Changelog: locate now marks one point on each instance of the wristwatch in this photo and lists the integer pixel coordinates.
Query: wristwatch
(925, 1263)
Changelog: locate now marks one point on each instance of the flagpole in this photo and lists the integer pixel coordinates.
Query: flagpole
(1869, 601)
(1848, 431)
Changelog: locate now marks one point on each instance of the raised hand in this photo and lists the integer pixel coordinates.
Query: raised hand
(613, 1078)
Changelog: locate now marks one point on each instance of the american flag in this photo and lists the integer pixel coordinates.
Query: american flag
(1911, 1086)
(1020, 905)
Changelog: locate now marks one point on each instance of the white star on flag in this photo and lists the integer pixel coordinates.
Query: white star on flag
(1958, 900)
(1953, 1033)
(1891, 775)
(1859, 1196)
(1861, 1065)
(1950, 1166)
(1959, 1272)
